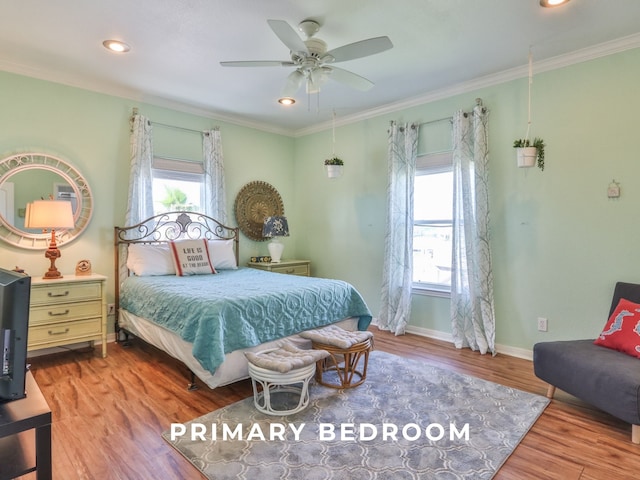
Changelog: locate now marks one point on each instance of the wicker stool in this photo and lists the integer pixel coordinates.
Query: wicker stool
(280, 378)
(346, 350)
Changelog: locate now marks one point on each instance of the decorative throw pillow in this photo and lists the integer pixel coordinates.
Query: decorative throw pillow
(622, 330)
(222, 255)
(147, 259)
(191, 257)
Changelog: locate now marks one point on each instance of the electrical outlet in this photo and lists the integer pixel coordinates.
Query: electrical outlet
(542, 324)
(111, 309)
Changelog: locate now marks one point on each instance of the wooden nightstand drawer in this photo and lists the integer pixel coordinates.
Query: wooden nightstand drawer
(292, 269)
(289, 267)
(65, 332)
(65, 293)
(63, 313)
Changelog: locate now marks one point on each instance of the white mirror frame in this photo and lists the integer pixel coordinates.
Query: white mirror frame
(44, 161)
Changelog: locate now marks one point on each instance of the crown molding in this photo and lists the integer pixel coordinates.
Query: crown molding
(590, 53)
(560, 61)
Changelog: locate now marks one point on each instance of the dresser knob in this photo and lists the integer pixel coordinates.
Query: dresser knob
(59, 314)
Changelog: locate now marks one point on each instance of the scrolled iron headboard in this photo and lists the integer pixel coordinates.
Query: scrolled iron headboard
(164, 228)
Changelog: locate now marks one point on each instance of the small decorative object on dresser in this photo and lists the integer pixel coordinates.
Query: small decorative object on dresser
(290, 267)
(83, 267)
(69, 310)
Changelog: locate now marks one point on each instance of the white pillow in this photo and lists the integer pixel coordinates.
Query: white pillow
(145, 259)
(222, 255)
(191, 257)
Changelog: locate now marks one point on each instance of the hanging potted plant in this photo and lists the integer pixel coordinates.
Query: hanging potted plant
(334, 167)
(530, 153)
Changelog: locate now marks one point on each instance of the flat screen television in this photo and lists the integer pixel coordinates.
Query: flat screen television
(15, 293)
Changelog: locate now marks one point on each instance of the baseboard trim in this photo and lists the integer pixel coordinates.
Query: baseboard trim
(447, 337)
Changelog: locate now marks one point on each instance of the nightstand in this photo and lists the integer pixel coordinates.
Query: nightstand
(68, 310)
(291, 267)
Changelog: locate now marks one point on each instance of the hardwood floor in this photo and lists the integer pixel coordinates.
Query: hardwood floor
(108, 414)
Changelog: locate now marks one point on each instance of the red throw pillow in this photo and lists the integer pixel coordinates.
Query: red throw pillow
(622, 330)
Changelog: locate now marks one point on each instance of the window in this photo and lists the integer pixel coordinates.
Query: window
(177, 185)
(432, 223)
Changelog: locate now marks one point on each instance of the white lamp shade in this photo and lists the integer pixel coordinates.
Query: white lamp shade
(49, 214)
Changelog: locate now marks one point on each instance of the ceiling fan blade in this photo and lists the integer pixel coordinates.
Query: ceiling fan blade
(294, 80)
(360, 49)
(351, 79)
(287, 35)
(258, 63)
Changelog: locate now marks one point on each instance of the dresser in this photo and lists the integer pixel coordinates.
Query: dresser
(290, 267)
(68, 310)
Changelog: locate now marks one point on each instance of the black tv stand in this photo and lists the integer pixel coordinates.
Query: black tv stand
(17, 417)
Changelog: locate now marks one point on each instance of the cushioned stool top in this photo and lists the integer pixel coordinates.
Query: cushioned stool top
(336, 336)
(285, 358)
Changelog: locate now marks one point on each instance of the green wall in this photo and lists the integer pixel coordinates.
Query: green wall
(91, 131)
(558, 243)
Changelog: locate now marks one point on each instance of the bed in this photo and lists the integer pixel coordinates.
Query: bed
(179, 287)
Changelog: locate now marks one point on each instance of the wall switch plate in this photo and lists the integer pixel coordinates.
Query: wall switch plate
(613, 191)
(111, 309)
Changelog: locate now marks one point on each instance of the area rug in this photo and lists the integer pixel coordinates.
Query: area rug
(409, 420)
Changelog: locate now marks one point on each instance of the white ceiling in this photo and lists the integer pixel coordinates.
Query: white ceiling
(176, 47)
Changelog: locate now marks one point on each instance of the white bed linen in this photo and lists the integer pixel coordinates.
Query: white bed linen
(233, 368)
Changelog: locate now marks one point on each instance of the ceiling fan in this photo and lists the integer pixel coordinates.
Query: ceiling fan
(313, 63)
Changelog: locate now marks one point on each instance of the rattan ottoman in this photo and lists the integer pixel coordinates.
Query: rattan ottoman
(348, 355)
(280, 378)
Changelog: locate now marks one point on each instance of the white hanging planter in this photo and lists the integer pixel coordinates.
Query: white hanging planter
(334, 171)
(526, 156)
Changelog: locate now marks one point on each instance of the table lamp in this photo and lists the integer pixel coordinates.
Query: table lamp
(275, 227)
(49, 215)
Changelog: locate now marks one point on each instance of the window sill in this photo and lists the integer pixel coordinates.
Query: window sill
(430, 291)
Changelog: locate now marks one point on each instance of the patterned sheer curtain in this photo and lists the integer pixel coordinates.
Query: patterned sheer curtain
(215, 203)
(140, 205)
(397, 273)
(472, 308)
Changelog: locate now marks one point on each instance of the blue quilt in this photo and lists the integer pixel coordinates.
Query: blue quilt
(240, 308)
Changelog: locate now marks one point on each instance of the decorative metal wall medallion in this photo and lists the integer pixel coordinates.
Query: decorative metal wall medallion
(255, 201)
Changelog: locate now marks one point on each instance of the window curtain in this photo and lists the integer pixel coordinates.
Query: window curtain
(140, 205)
(397, 273)
(215, 203)
(472, 308)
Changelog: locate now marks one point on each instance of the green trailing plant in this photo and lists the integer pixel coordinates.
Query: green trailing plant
(333, 161)
(538, 143)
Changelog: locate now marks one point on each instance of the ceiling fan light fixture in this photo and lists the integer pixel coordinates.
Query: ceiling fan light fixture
(552, 3)
(116, 46)
(286, 101)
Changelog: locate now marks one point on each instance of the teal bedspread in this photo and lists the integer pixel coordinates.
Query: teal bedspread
(241, 308)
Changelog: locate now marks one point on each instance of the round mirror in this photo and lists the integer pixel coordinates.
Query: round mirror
(27, 177)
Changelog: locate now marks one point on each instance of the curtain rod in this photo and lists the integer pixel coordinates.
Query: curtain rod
(478, 104)
(135, 112)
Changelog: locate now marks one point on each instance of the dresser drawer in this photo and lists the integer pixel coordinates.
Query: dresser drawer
(292, 269)
(64, 293)
(63, 313)
(65, 332)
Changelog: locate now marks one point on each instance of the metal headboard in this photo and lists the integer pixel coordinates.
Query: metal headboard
(164, 228)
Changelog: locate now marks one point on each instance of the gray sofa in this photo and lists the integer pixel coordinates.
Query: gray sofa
(600, 376)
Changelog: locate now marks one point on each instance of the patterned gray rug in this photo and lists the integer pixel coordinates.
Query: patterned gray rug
(409, 420)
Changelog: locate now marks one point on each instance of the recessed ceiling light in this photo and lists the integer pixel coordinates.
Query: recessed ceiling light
(116, 46)
(286, 101)
(552, 3)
